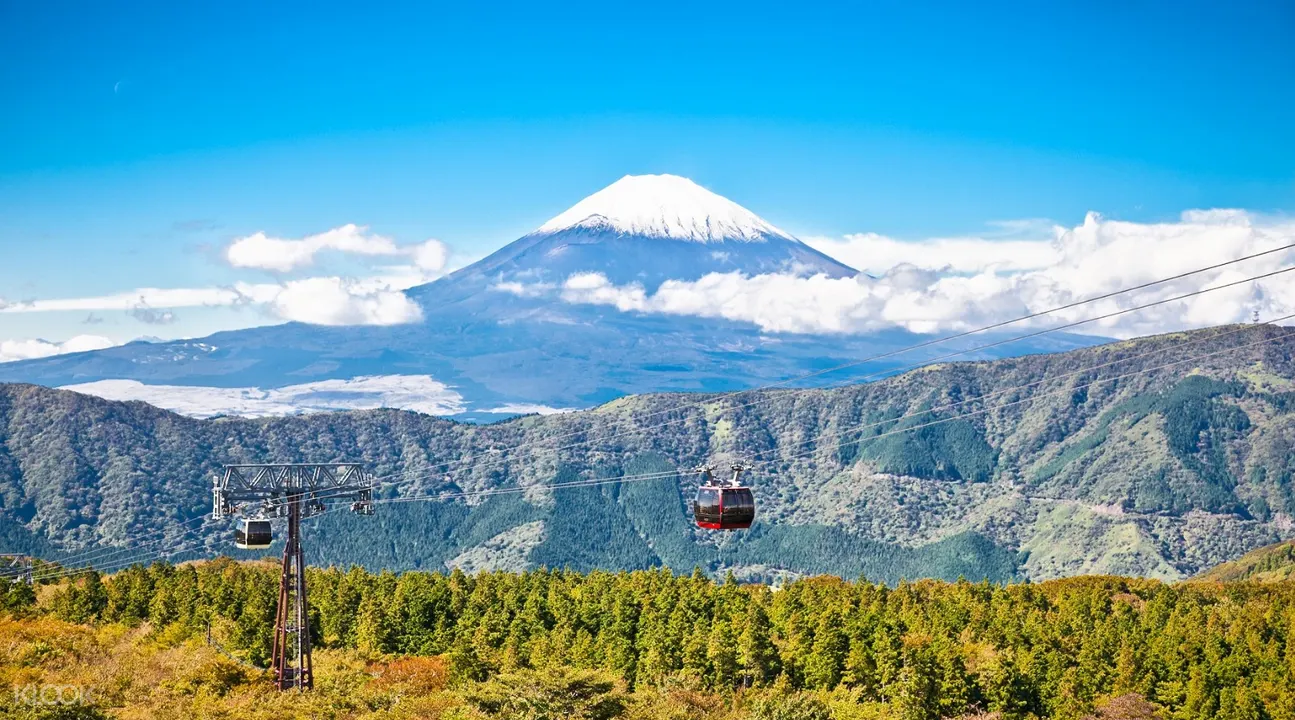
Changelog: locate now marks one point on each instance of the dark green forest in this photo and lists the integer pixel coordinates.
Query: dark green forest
(928, 649)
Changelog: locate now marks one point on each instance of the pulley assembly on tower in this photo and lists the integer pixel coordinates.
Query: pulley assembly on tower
(293, 491)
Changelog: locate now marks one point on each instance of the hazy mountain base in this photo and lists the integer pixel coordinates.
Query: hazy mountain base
(1098, 470)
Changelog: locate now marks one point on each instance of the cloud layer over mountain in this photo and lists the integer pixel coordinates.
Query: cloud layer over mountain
(410, 392)
(262, 252)
(11, 350)
(958, 284)
(614, 249)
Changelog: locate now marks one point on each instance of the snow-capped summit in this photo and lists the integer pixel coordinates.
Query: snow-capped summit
(641, 230)
(664, 206)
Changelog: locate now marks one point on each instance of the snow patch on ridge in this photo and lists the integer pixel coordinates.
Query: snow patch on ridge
(527, 409)
(419, 393)
(664, 206)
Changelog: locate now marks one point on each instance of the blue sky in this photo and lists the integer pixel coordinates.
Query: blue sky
(138, 141)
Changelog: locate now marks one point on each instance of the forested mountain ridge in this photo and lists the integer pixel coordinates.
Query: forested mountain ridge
(1093, 460)
(1274, 563)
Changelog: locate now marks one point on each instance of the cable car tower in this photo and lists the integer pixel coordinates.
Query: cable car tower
(292, 491)
(15, 568)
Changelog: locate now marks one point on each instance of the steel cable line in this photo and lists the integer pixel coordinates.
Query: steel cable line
(427, 473)
(897, 431)
(850, 428)
(86, 558)
(435, 469)
(378, 481)
(487, 462)
(956, 336)
(186, 547)
(143, 552)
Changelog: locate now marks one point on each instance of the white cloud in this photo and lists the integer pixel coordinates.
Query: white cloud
(284, 255)
(521, 289)
(929, 295)
(12, 350)
(267, 253)
(876, 254)
(241, 293)
(335, 301)
(526, 409)
(377, 300)
(430, 256)
(419, 393)
(596, 289)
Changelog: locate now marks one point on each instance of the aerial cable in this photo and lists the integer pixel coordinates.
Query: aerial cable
(959, 335)
(487, 462)
(185, 547)
(426, 473)
(441, 497)
(431, 470)
(142, 552)
(1028, 335)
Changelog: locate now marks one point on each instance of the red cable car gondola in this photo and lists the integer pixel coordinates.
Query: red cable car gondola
(724, 507)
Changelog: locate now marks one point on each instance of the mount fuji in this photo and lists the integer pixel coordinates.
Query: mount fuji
(500, 337)
(649, 229)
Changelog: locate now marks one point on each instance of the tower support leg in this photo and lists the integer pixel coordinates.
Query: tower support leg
(291, 660)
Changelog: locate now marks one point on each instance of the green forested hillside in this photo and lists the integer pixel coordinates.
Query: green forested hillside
(1274, 563)
(1040, 466)
(918, 651)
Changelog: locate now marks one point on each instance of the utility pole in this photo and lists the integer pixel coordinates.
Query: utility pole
(15, 568)
(293, 491)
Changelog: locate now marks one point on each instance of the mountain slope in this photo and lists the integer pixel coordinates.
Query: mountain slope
(645, 230)
(504, 334)
(1091, 468)
(1274, 563)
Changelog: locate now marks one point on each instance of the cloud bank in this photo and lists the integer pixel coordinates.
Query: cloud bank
(876, 254)
(319, 301)
(419, 393)
(259, 251)
(13, 350)
(335, 301)
(962, 283)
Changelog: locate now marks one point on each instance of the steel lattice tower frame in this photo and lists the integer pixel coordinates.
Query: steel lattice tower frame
(294, 491)
(16, 568)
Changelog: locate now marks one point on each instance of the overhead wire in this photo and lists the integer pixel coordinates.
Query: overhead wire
(497, 455)
(426, 472)
(860, 426)
(487, 462)
(593, 482)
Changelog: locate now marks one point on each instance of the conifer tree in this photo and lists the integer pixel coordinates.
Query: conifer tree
(757, 656)
(826, 659)
(721, 654)
(373, 629)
